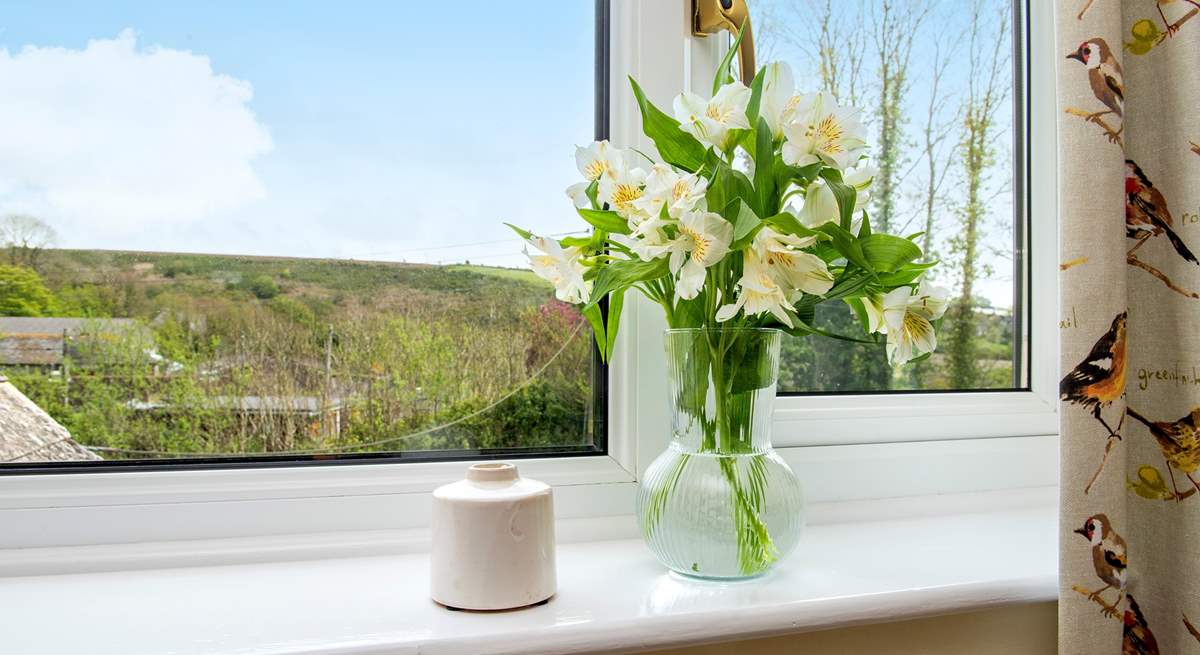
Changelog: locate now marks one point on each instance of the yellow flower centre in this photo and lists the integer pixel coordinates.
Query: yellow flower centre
(915, 326)
(594, 170)
(827, 134)
(626, 194)
(718, 113)
(700, 243)
(680, 190)
(776, 258)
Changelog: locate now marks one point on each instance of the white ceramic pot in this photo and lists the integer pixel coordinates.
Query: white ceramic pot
(493, 540)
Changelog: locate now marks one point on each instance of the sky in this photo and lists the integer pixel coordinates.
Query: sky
(361, 129)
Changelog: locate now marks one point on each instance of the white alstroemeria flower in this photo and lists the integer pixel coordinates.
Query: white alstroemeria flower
(600, 158)
(710, 120)
(680, 193)
(907, 320)
(560, 267)
(620, 189)
(798, 270)
(703, 240)
(930, 299)
(646, 249)
(824, 131)
(779, 97)
(758, 292)
(820, 206)
(873, 305)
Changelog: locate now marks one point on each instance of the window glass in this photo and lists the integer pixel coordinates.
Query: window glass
(935, 82)
(235, 230)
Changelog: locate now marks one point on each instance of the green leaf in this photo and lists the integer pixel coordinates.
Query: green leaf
(849, 286)
(845, 194)
(593, 316)
(786, 174)
(593, 192)
(860, 310)
(905, 275)
(745, 225)
(726, 186)
(756, 91)
(616, 300)
(524, 234)
(724, 76)
(887, 252)
(764, 169)
(623, 274)
(785, 223)
(674, 145)
(848, 246)
(865, 230)
(609, 221)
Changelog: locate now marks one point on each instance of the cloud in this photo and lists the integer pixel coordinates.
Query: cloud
(120, 139)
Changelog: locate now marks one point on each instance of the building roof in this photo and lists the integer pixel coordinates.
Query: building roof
(28, 434)
(31, 349)
(311, 405)
(36, 341)
(25, 325)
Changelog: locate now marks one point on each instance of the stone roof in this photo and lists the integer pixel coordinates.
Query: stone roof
(38, 341)
(28, 434)
(14, 325)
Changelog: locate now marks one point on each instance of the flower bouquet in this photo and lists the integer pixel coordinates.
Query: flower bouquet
(752, 217)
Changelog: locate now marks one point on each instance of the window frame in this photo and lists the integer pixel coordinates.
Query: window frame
(843, 447)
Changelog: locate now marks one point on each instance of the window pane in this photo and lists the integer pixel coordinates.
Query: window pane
(935, 83)
(232, 229)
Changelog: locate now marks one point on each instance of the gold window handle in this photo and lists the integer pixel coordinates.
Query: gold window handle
(712, 16)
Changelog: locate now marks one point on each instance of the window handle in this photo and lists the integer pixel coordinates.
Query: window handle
(712, 16)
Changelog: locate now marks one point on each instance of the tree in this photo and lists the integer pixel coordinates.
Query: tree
(22, 293)
(25, 237)
(986, 91)
(894, 28)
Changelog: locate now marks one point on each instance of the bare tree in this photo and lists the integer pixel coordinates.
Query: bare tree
(25, 237)
(987, 90)
(827, 33)
(894, 26)
(936, 132)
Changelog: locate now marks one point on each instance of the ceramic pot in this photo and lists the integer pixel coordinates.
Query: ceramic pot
(493, 540)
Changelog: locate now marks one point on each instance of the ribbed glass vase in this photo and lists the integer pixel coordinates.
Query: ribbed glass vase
(720, 502)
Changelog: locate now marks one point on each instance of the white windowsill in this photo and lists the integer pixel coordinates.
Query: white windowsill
(948, 554)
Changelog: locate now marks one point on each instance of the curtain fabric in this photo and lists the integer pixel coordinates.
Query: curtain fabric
(1129, 180)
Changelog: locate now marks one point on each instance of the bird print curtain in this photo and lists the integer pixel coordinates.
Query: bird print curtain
(1129, 129)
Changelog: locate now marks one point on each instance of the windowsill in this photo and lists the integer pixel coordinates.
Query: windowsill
(988, 550)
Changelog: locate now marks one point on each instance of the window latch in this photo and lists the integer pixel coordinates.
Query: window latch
(713, 16)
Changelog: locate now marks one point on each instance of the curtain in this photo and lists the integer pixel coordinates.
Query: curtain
(1129, 185)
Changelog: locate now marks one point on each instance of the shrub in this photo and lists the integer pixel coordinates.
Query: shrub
(263, 287)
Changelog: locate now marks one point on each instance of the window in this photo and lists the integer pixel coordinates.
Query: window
(284, 241)
(844, 446)
(939, 86)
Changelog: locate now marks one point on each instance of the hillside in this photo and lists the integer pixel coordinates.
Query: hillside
(272, 354)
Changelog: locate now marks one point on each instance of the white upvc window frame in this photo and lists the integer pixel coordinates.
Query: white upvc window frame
(843, 447)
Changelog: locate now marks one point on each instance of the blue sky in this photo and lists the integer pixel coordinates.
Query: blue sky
(378, 127)
(371, 130)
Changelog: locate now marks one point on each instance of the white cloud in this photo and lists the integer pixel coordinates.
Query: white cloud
(120, 139)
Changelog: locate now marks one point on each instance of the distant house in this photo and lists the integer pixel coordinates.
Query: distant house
(46, 342)
(28, 434)
(321, 416)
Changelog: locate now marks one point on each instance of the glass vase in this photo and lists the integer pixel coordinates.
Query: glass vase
(720, 502)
